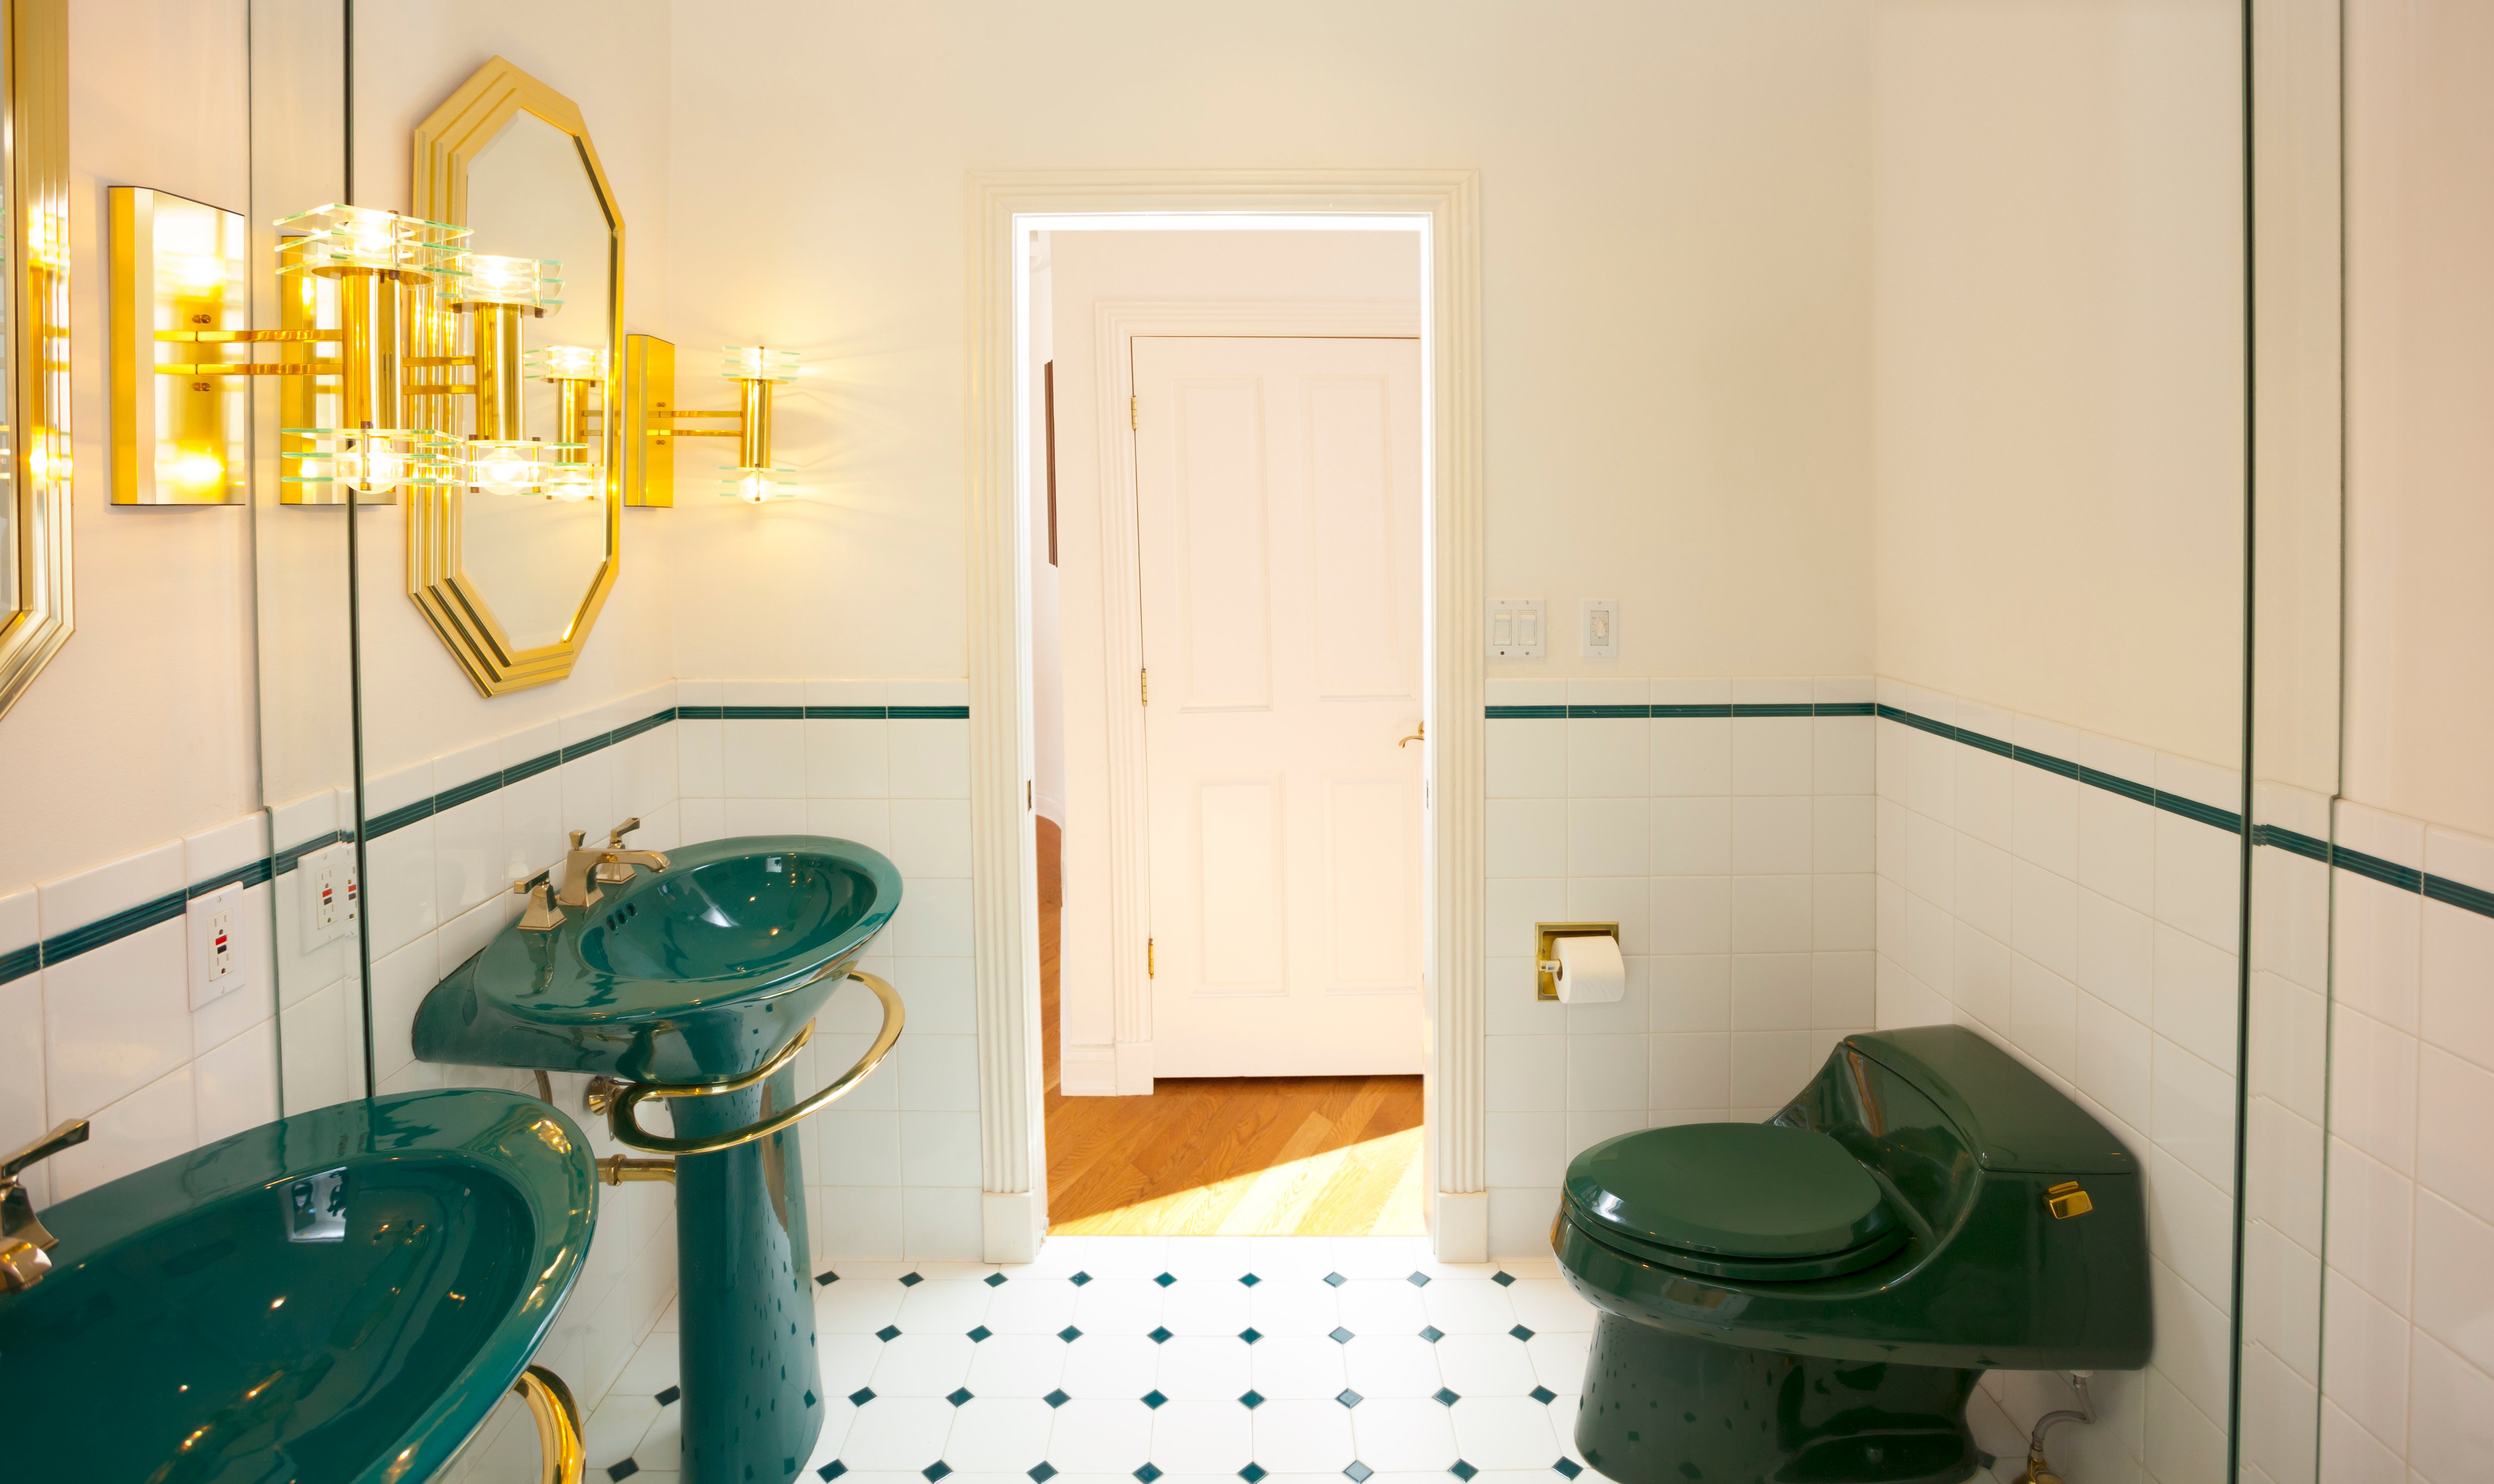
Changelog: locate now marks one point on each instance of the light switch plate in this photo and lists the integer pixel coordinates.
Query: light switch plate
(1518, 627)
(1599, 628)
(220, 961)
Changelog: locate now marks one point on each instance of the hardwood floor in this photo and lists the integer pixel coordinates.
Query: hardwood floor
(1222, 1156)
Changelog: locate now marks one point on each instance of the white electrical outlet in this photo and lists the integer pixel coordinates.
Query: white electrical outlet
(220, 963)
(1518, 628)
(1599, 628)
(326, 878)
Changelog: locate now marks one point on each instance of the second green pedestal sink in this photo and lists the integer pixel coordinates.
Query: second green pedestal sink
(697, 984)
(340, 1295)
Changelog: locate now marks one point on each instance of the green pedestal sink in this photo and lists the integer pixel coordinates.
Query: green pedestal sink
(698, 985)
(341, 1295)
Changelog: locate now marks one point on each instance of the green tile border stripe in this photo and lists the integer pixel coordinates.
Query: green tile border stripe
(18, 962)
(1629, 710)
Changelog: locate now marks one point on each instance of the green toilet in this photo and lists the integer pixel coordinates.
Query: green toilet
(1810, 1300)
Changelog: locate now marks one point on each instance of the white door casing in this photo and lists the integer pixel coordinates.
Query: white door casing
(1278, 514)
(1000, 209)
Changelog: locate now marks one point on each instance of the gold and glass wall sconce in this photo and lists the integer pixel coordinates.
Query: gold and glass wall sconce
(393, 330)
(181, 417)
(755, 371)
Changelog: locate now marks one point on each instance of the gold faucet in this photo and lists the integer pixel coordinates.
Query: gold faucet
(588, 866)
(542, 915)
(25, 1255)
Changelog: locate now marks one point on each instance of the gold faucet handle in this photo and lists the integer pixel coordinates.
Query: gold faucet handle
(615, 836)
(70, 1134)
(525, 885)
(542, 914)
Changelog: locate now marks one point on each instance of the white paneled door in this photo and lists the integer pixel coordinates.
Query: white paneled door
(1278, 489)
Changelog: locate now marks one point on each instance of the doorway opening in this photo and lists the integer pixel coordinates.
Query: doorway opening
(1227, 497)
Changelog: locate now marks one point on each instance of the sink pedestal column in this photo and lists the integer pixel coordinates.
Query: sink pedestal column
(746, 1309)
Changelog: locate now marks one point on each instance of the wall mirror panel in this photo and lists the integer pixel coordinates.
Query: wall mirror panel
(35, 613)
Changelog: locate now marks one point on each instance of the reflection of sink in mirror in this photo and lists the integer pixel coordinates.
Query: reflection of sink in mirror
(343, 1294)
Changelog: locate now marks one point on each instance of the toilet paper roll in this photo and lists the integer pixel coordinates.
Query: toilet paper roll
(1590, 971)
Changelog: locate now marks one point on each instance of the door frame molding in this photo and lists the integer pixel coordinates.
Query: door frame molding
(1004, 895)
(1116, 325)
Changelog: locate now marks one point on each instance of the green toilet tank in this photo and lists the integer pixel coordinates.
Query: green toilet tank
(1814, 1298)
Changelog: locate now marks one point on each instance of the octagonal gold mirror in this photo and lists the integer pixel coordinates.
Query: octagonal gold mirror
(511, 572)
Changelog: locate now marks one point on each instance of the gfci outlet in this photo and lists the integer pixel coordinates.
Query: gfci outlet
(1599, 628)
(218, 963)
(326, 878)
(1518, 627)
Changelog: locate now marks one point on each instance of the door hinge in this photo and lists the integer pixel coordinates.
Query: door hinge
(1026, 786)
(1146, 676)
(1152, 969)
(1134, 413)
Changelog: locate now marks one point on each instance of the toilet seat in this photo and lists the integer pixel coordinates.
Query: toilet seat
(1755, 1201)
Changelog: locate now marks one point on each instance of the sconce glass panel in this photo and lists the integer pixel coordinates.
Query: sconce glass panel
(179, 427)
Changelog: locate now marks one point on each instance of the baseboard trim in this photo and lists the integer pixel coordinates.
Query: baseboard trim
(1460, 1231)
(1134, 1069)
(1089, 1071)
(1012, 1226)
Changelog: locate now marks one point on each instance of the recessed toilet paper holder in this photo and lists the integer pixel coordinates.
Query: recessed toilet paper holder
(1545, 950)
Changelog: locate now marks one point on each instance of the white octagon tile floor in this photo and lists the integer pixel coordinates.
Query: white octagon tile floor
(1170, 1360)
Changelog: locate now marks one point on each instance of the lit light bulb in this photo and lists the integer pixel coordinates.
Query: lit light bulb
(572, 481)
(505, 468)
(572, 363)
(368, 234)
(196, 473)
(194, 275)
(755, 488)
(375, 468)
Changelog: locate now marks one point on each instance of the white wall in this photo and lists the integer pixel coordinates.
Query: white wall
(2058, 377)
(2409, 1372)
(1674, 278)
(1087, 269)
(142, 729)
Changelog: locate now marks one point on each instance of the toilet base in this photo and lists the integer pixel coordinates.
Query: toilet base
(1665, 1409)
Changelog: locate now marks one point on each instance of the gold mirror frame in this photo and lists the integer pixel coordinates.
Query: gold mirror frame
(34, 155)
(453, 136)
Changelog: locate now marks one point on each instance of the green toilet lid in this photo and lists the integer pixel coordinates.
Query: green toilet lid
(1732, 1189)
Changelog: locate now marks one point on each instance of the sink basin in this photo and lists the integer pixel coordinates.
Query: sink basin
(695, 973)
(342, 1294)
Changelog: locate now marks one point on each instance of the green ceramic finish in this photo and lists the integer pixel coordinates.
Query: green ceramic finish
(1734, 1189)
(1664, 1407)
(754, 1398)
(238, 1314)
(695, 973)
(1863, 1376)
(1986, 1276)
(698, 973)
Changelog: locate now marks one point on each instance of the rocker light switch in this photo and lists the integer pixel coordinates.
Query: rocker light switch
(1517, 628)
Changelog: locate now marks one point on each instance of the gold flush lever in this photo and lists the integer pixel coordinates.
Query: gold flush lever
(2065, 1201)
(24, 1245)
